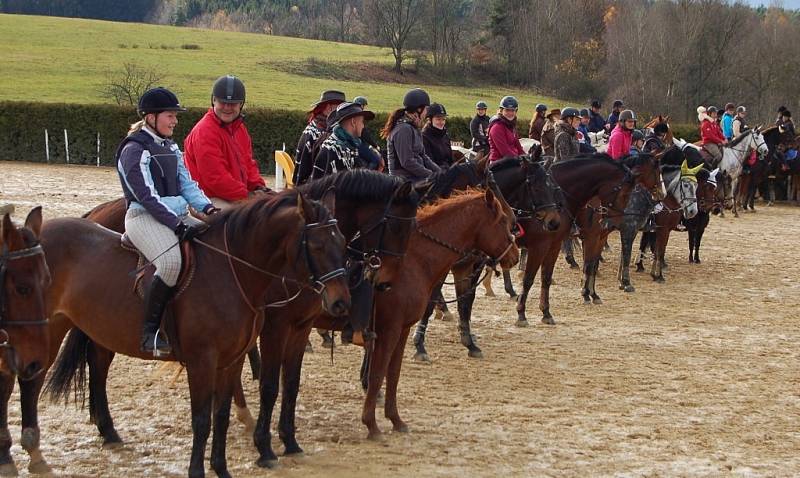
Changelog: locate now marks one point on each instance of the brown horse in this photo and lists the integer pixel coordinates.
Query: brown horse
(284, 239)
(24, 277)
(580, 179)
(376, 214)
(447, 231)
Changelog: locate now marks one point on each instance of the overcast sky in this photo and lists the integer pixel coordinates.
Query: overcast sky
(793, 4)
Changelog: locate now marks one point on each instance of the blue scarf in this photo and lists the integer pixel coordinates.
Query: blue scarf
(342, 135)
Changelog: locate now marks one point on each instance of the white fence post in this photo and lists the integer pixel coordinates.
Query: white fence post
(66, 144)
(98, 149)
(47, 146)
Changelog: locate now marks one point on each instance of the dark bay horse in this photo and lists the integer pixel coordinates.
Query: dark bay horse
(708, 202)
(24, 278)
(580, 179)
(375, 213)
(447, 231)
(526, 187)
(284, 239)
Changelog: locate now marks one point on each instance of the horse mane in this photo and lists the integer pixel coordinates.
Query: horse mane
(625, 164)
(357, 185)
(735, 141)
(456, 198)
(634, 160)
(505, 163)
(443, 181)
(244, 218)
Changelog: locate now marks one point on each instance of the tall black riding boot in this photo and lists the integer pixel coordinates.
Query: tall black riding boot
(155, 301)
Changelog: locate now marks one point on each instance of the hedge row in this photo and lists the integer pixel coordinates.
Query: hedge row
(22, 127)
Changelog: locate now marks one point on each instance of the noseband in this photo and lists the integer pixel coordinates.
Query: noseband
(318, 281)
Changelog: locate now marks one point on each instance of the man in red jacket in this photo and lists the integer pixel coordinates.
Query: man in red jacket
(218, 150)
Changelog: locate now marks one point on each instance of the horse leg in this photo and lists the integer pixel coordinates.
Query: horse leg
(548, 264)
(697, 240)
(7, 466)
(466, 280)
(734, 188)
(201, 375)
(531, 268)
(255, 362)
(487, 285)
(692, 232)
(440, 305)
(384, 345)
(292, 366)
(273, 340)
(99, 360)
(662, 236)
(243, 414)
(508, 284)
(225, 381)
(421, 355)
(567, 247)
(392, 380)
(626, 236)
(642, 251)
(29, 396)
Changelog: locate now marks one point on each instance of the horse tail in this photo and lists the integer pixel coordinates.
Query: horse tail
(69, 372)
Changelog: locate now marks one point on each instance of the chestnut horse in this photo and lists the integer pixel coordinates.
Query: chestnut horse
(447, 231)
(526, 187)
(24, 278)
(284, 239)
(579, 180)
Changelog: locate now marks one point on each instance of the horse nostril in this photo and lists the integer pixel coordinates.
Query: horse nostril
(554, 224)
(339, 309)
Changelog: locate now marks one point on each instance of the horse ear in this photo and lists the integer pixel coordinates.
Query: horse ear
(8, 233)
(34, 221)
(684, 168)
(304, 209)
(329, 200)
(490, 198)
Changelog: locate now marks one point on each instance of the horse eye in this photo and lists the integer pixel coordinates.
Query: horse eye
(23, 290)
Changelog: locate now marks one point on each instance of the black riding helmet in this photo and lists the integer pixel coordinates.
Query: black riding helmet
(637, 135)
(415, 99)
(711, 109)
(625, 116)
(157, 100)
(436, 109)
(595, 104)
(568, 113)
(481, 105)
(541, 108)
(228, 89)
(509, 103)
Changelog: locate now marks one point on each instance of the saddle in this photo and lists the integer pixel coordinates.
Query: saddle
(145, 269)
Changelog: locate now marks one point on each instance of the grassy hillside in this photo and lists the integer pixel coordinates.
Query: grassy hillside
(52, 59)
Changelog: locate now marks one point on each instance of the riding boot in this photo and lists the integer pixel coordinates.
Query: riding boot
(156, 299)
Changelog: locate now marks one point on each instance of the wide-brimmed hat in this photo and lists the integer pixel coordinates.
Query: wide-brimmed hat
(554, 111)
(330, 96)
(349, 110)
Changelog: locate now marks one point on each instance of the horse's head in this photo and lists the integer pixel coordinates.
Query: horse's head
(322, 252)
(542, 195)
(24, 276)
(684, 189)
(707, 193)
(388, 237)
(495, 239)
(646, 172)
(757, 142)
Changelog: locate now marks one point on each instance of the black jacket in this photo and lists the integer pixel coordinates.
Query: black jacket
(437, 146)
(479, 128)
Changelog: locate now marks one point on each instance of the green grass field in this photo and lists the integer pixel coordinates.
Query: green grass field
(63, 60)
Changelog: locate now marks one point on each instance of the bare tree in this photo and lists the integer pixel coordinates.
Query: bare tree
(394, 21)
(124, 87)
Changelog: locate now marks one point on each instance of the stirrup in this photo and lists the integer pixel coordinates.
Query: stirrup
(159, 352)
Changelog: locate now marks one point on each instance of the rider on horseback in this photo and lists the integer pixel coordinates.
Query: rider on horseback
(317, 124)
(739, 123)
(566, 143)
(549, 131)
(159, 191)
(654, 141)
(404, 145)
(619, 143)
(435, 137)
(503, 139)
(479, 127)
(343, 149)
(711, 133)
(537, 123)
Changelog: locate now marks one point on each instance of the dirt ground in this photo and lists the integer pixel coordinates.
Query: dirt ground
(698, 376)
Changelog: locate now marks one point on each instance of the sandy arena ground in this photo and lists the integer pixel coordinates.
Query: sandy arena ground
(695, 377)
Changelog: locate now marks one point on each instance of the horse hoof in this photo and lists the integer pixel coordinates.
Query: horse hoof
(112, 444)
(660, 280)
(402, 428)
(270, 463)
(422, 358)
(512, 295)
(447, 316)
(475, 353)
(587, 301)
(376, 436)
(489, 293)
(697, 261)
(629, 288)
(8, 469)
(548, 321)
(39, 468)
(522, 323)
(296, 452)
